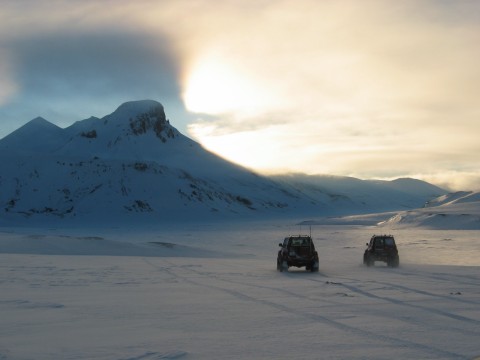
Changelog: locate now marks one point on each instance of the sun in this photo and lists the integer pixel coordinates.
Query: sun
(216, 86)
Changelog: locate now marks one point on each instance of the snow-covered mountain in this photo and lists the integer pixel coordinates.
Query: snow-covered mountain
(133, 165)
(362, 196)
(459, 210)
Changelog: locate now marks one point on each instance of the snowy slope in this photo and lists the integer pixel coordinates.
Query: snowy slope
(453, 211)
(460, 210)
(133, 165)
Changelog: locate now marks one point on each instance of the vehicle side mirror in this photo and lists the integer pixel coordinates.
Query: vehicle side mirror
(367, 244)
(281, 245)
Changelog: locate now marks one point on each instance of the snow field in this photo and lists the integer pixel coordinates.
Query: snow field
(212, 291)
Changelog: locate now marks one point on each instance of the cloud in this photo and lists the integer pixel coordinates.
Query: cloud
(8, 87)
(453, 180)
(93, 64)
(373, 89)
(70, 60)
(369, 88)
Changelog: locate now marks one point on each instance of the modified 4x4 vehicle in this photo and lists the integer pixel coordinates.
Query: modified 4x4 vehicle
(298, 251)
(381, 248)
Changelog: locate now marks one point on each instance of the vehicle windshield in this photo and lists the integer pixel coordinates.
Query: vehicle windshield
(303, 241)
(389, 242)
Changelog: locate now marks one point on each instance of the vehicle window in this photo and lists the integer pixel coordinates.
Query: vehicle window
(300, 242)
(389, 242)
(378, 243)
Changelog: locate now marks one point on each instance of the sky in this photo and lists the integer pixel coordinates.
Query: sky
(374, 89)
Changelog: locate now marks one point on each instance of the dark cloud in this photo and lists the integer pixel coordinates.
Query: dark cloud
(95, 64)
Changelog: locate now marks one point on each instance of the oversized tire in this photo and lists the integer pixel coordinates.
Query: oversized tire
(369, 261)
(395, 262)
(279, 262)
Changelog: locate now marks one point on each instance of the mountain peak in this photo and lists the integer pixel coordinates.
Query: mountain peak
(141, 117)
(34, 128)
(131, 109)
(40, 123)
(36, 136)
(39, 120)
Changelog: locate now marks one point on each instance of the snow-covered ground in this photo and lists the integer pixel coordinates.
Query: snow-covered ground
(211, 291)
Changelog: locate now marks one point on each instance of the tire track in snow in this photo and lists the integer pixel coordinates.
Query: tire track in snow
(306, 315)
(153, 355)
(423, 292)
(458, 279)
(386, 314)
(365, 293)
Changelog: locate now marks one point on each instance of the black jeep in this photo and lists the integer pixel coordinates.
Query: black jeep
(381, 248)
(297, 251)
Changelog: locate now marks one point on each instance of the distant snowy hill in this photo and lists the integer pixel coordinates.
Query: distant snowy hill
(362, 196)
(459, 210)
(133, 165)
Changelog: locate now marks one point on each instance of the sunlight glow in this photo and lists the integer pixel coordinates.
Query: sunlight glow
(216, 86)
(241, 147)
(274, 149)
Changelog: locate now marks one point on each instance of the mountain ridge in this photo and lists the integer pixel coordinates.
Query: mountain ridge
(133, 165)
